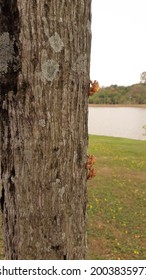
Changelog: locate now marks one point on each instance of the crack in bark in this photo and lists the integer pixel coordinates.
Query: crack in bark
(9, 31)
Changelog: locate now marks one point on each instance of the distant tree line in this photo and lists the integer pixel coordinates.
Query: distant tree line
(134, 94)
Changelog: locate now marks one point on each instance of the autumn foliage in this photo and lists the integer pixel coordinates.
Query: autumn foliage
(91, 159)
(94, 87)
(91, 172)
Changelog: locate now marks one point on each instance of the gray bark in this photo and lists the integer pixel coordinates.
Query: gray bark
(44, 73)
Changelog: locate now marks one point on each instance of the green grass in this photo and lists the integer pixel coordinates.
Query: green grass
(117, 199)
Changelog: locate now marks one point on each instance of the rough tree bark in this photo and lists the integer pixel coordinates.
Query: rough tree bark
(44, 83)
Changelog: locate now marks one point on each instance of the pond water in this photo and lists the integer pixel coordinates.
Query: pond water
(126, 122)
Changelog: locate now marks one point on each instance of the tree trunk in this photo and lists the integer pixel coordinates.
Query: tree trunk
(44, 84)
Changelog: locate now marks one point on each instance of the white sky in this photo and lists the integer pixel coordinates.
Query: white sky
(118, 53)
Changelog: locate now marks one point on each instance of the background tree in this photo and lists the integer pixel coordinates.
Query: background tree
(44, 84)
(143, 78)
(134, 94)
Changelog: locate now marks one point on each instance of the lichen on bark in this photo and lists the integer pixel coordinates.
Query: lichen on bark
(6, 52)
(56, 42)
(50, 69)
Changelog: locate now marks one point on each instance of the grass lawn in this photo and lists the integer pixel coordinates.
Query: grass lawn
(117, 199)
